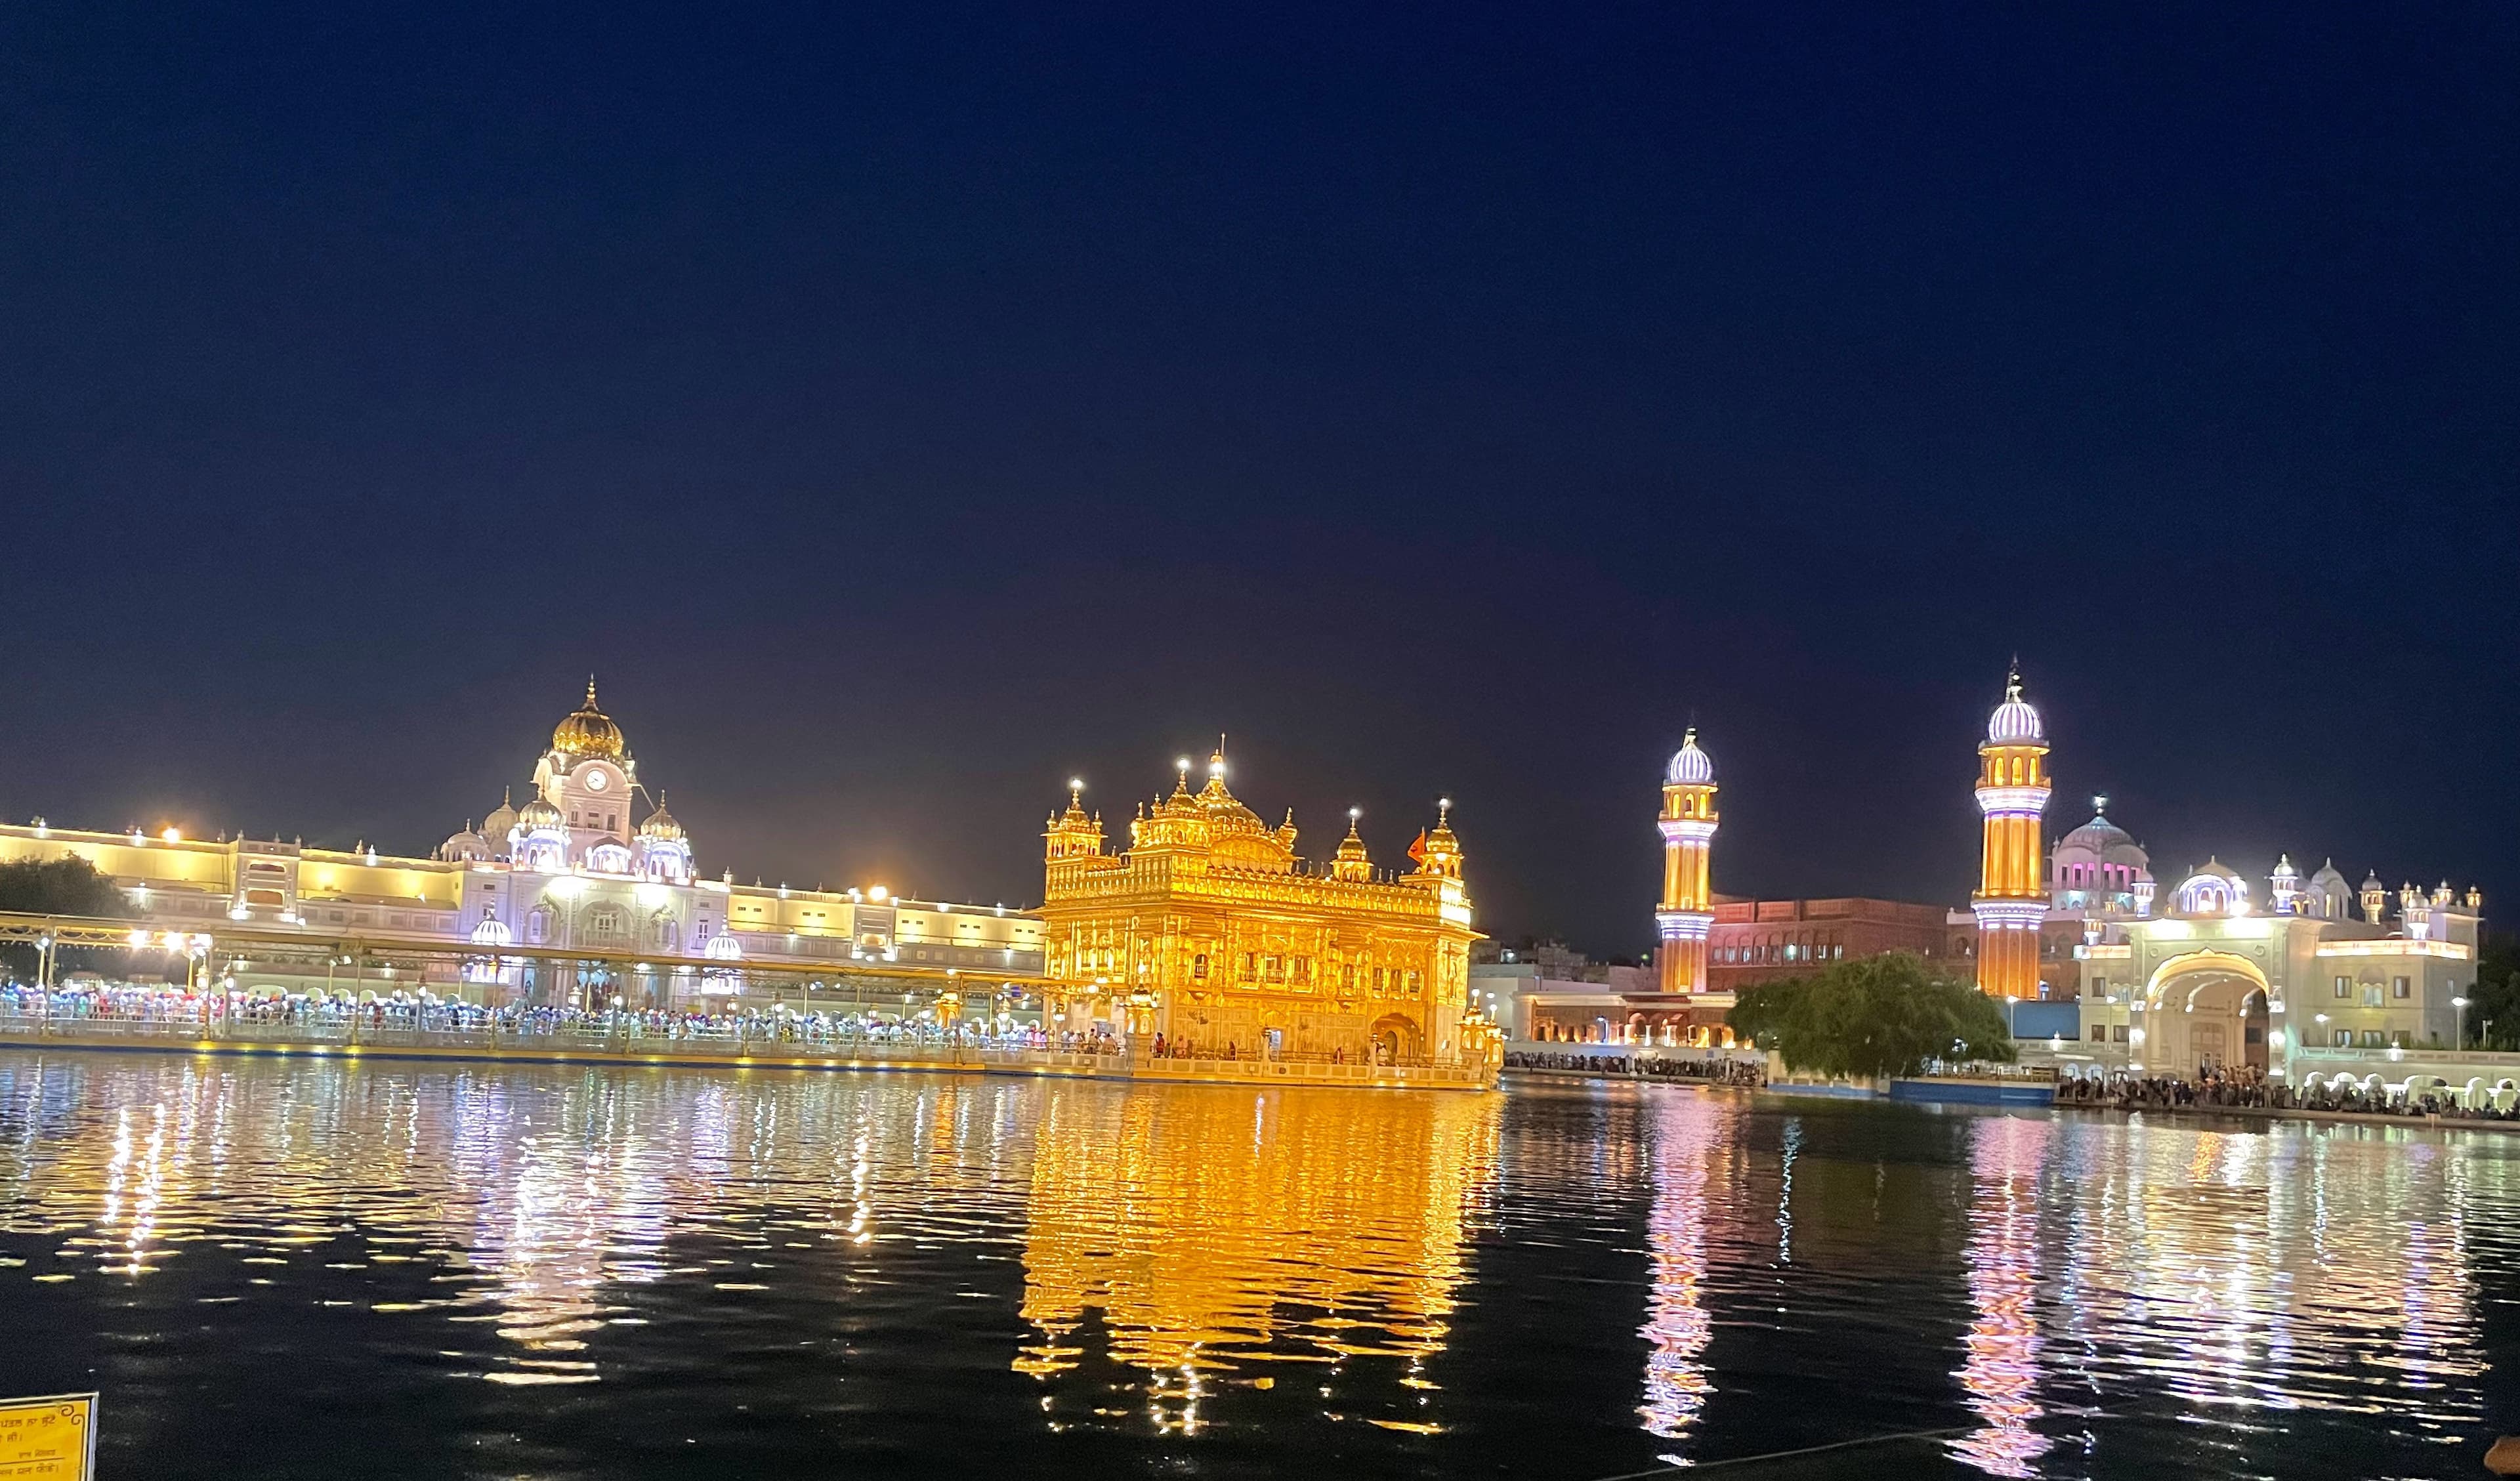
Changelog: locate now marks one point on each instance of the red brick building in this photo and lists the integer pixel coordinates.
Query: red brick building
(1759, 940)
(1756, 940)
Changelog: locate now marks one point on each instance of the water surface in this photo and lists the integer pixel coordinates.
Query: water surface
(319, 1269)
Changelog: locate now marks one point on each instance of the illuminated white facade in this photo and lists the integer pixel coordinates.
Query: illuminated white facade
(2293, 985)
(587, 864)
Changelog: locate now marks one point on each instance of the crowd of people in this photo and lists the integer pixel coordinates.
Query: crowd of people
(2215, 1086)
(341, 1014)
(2248, 1088)
(1716, 1069)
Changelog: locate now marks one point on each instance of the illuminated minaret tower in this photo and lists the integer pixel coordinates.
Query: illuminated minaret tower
(2013, 895)
(1687, 824)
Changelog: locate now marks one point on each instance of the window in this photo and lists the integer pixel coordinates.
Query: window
(1250, 966)
(2400, 1038)
(2344, 1037)
(2119, 1033)
(2371, 995)
(2342, 984)
(2099, 987)
(2400, 987)
(2370, 1038)
(2099, 1033)
(1198, 967)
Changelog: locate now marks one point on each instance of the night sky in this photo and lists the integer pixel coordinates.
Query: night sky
(899, 413)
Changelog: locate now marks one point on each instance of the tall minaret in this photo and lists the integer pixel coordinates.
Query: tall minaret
(2013, 895)
(1687, 824)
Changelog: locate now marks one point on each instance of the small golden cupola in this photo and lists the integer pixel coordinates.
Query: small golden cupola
(589, 731)
(1072, 834)
(1439, 852)
(1352, 863)
(660, 825)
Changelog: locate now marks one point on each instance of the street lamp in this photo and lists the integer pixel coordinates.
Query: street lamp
(2459, 1034)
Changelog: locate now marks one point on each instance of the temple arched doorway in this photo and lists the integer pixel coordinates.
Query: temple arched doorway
(1395, 1038)
(2206, 1010)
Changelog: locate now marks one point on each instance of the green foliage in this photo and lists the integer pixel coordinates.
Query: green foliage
(2494, 1000)
(1874, 1015)
(58, 887)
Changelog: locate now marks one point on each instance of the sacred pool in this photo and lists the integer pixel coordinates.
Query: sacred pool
(314, 1269)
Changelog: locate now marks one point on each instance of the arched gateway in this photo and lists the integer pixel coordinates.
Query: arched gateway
(2205, 1007)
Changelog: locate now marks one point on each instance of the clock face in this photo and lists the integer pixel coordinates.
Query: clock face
(596, 781)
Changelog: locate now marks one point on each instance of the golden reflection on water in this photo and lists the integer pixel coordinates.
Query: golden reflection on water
(1211, 1231)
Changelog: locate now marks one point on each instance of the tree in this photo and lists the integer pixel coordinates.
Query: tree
(2494, 1000)
(69, 886)
(1874, 1015)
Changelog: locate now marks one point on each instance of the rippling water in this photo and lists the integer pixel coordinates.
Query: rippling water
(314, 1269)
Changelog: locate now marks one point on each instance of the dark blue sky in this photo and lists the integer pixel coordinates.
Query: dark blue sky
(903, 412)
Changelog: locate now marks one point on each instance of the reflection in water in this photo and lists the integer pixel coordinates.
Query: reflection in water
(1144, 1267)
(1688, 1132)
(2001, 1371)
(1211, 1229)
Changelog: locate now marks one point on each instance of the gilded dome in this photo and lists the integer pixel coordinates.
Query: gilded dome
(588, 732)
(537, 812)
(1221, 806)
(502, 818)
(660, 825)
(1351, 849)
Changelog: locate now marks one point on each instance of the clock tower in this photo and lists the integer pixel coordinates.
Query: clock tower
(587, 776)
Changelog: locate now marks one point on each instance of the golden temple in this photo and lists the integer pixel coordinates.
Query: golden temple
(1211, 931)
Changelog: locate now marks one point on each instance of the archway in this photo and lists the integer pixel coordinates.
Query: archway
(1394, 1037)
(2205, 1009)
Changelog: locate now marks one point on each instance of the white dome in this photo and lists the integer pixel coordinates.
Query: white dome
(2102, 841)
(2015, 722)
(2098, 836)
(1689, 766)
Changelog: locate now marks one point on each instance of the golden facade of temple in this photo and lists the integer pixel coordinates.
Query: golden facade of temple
(2012, 899)
(1211, 930)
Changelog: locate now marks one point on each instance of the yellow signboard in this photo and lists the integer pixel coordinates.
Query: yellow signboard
(50, 1439)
